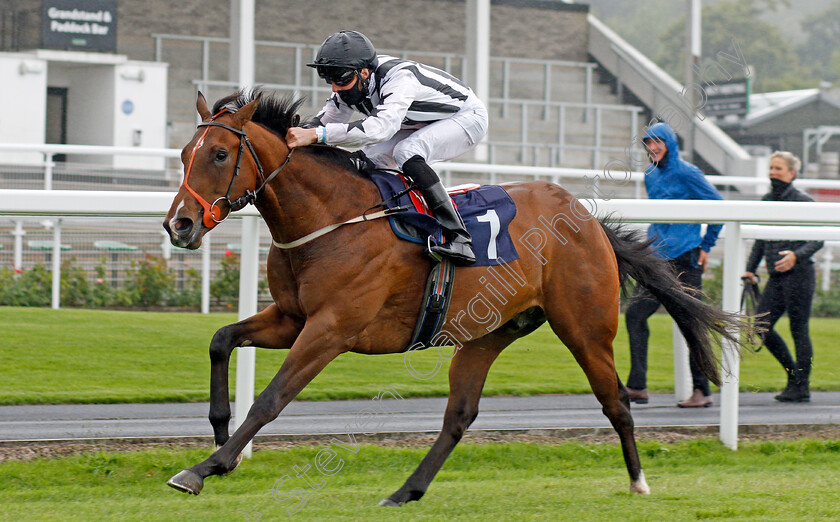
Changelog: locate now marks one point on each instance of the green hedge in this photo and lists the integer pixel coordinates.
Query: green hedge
(149, 283)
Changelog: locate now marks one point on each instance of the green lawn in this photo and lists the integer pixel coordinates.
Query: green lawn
(690, 480)
(68, 355)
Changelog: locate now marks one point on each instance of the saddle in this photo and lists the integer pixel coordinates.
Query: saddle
(487, 210)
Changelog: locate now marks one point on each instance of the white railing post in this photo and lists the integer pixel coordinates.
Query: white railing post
(245, 355)
(242, 70)
(165, 246)
(297, 76)
(56, 265)
(205, 274)
(683, 386)
(18, 233)
(48, 170)
(733, 267)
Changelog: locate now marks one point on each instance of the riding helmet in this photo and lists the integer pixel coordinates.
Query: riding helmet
(348, 49)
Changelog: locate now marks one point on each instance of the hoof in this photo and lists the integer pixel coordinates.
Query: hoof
(640, 487)
(187, 481)
(388, 503)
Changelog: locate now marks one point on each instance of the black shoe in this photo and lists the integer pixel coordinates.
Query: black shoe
(795, 393)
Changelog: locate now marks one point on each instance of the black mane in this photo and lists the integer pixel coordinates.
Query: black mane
(277, 113)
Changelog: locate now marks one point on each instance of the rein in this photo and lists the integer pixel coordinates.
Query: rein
(212, 212)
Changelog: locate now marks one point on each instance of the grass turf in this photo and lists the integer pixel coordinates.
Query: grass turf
(690, 480)
(86, 356)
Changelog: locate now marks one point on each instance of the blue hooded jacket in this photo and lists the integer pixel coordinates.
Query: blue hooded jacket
(674, 178)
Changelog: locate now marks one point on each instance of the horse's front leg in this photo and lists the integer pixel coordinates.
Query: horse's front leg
(267, 329)
(314, 348)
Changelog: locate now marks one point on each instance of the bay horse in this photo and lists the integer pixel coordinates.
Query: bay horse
(358, 288)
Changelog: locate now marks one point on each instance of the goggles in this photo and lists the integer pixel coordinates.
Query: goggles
(337, 75)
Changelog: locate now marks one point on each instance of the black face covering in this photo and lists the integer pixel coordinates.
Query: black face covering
(778, 187)
(354, 95)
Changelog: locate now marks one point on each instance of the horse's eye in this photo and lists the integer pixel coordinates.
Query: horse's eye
(221, 155)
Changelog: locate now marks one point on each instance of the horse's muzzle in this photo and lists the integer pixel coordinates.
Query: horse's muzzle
(183, 233)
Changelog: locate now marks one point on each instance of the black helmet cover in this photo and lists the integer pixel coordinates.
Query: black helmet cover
(345, 49)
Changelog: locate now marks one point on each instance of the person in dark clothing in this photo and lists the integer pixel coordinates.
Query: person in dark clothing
(790, 287)
(669, 177)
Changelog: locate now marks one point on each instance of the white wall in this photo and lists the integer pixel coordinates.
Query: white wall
(23, 88)
(90, 113)
(108, 99)
(140, 105)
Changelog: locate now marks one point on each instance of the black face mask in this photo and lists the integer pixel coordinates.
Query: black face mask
(354, 95)
(778, 186)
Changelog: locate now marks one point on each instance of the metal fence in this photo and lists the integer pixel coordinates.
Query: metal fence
(118, 245)
(110, 250)
(538, 108)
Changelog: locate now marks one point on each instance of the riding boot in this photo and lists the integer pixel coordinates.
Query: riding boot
(459, 244)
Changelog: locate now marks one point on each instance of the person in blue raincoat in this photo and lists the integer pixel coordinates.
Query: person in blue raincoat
(670, 177)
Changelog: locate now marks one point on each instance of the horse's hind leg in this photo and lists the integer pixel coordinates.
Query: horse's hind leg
(267, 329)
(467, 374)
(590, 341)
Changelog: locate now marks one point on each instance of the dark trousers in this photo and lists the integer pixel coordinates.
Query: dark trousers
(792, 291)
(643, 306)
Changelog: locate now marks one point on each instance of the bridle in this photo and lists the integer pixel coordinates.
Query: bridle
(212, 212)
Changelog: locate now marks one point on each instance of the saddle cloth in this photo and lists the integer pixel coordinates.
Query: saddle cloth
(487, 210)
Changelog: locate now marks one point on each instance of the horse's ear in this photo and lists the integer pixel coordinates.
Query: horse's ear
(295, 120)
(201, 107)
(244, 114)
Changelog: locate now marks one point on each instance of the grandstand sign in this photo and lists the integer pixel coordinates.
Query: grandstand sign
(723, 98)
(80, 25)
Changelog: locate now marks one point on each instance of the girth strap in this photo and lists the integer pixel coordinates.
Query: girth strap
(435, 306)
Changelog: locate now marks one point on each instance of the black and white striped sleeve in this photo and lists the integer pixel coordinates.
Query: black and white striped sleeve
(385, 120)
(333, 112)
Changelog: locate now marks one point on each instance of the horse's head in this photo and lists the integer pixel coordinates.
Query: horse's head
(218, 176)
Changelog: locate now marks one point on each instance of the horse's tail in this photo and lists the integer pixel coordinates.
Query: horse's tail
(700, 323)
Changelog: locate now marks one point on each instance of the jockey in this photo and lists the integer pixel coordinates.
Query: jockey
(414, 115)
